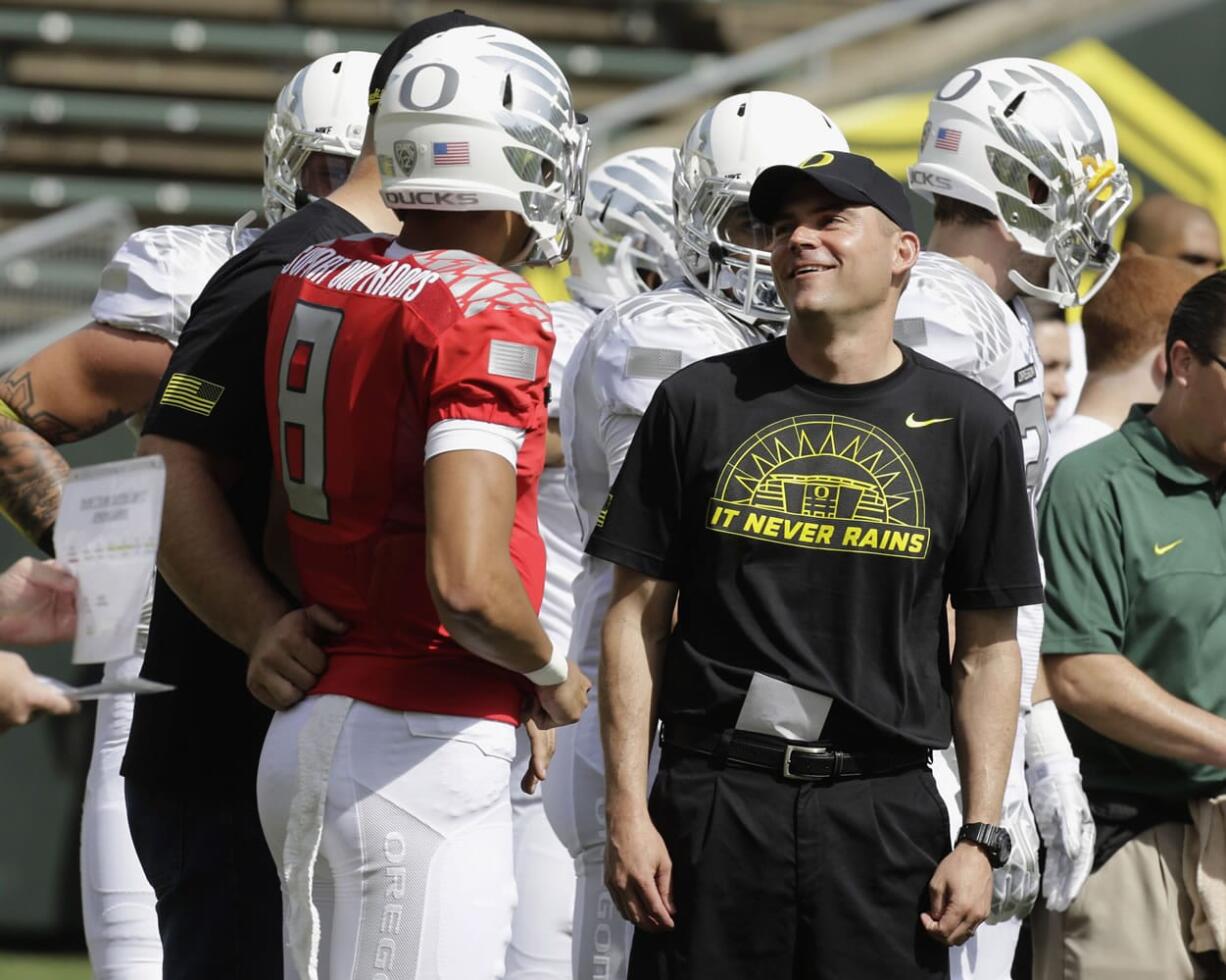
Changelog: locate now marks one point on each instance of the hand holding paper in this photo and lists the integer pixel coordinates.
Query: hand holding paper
(23, 694)
(37, 603)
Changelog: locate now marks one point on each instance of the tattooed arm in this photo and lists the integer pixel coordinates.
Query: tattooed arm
(79, 386)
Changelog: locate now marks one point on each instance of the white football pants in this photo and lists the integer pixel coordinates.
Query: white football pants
(987, 955)
(398, 826)
(118, 904)
(574, 801)
(544, 883)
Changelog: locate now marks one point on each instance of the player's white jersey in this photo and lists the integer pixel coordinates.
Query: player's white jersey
(152, 281)
(608, 384)
(559, 522)
(951, 315)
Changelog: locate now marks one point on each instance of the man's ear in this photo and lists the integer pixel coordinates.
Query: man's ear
(907, 252)
(1180, 362)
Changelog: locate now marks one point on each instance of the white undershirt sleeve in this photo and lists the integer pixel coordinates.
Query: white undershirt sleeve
(450, 435)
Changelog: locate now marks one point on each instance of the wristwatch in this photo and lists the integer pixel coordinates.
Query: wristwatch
(995, 841)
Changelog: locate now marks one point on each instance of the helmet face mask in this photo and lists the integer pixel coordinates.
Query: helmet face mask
(624, 237)
(726, 149)
(1034, 145)
(737, 272)
(480, 119)
(322, 110)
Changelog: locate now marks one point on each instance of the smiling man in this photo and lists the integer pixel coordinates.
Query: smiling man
(1131, 530)
(808, 505)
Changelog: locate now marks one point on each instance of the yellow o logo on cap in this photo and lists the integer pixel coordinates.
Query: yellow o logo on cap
(817, 161)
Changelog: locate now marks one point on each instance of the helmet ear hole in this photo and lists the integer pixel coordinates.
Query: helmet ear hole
(508, 94)
(1038, 190)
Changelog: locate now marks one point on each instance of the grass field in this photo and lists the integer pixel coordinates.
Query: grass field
(14, 966)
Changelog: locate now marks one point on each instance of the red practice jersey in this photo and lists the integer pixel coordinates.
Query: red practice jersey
(366, 353)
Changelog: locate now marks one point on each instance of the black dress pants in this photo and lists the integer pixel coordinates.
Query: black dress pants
(218, 894)
(781, 880)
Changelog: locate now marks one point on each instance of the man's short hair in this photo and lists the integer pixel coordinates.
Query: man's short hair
(951, 211)
(1130, 314)
(1200, 319)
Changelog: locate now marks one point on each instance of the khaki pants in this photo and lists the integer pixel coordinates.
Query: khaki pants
(1130, 921)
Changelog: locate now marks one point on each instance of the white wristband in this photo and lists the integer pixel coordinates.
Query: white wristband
(552, 674)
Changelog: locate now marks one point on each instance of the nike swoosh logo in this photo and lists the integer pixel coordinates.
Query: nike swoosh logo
(914, 423)
(1163, 549)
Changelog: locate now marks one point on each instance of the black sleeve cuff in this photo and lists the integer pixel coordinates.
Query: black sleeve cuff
(999, 597)
(649, 565)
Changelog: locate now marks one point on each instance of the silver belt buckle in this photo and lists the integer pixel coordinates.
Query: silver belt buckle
(813, 752)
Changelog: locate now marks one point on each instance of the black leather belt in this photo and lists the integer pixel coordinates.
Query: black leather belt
(791, 760)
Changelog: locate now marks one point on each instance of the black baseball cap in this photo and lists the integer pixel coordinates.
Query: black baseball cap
(409, 38)
(848, 176)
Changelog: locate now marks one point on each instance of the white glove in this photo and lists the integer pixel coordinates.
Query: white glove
(1061, 809)
(1015, 886)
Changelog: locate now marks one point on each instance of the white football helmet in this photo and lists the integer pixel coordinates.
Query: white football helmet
(1033, 144)
(321, 110)
(626, 228)
(726, 149)
(480, 119)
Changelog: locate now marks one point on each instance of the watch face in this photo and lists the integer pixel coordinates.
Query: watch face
(995, 841)
(1004, 846)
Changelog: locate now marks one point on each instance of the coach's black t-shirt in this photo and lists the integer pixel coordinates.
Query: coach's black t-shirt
(210, 727)
(815, 530)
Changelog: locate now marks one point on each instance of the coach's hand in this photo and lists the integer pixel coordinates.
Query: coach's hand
(23, 694)
(959, 895)
(638, 872)
(288, 657)
(563, 703)
(544, 743)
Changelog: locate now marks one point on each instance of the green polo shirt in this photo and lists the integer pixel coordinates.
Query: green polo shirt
(1134, 541)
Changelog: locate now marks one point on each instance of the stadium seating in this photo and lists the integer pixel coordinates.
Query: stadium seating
(161, 105)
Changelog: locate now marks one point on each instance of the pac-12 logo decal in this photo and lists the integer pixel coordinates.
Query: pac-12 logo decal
(825, 482)
(406, 156)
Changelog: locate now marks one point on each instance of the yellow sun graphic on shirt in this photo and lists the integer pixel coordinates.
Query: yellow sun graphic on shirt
(827, 482)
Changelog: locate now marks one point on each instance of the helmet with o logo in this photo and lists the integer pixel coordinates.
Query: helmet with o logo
(480, 119)
(1034, 145)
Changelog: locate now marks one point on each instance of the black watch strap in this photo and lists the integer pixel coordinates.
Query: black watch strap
(993, 840)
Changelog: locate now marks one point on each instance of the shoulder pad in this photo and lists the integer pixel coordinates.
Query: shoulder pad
(951, 315)
(477, 284)
(152, 280)
(645, 339)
